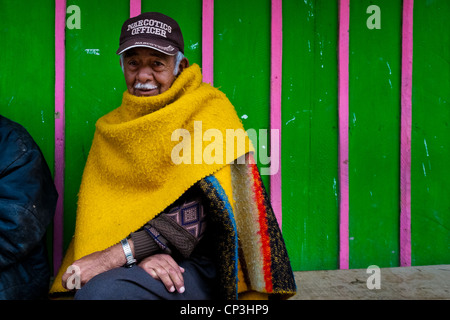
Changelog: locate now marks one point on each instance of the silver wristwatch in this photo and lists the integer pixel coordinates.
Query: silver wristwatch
(128, 254)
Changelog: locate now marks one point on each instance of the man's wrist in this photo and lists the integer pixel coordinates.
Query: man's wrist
(115, 256)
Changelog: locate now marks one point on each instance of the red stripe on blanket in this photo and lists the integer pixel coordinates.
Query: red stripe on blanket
(265, 241)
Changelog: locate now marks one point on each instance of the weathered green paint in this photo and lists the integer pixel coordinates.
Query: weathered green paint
(309, 134)
(374, 136)
(27, 70)
(242, 60)
(430, 154)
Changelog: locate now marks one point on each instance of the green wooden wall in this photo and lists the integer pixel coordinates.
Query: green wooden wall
(374, 135)
(310, 134)
(310, 125)
(27, 70)
(430, 171)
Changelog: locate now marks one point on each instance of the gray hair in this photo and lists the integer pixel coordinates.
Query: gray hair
(178, 59)
(179, 56)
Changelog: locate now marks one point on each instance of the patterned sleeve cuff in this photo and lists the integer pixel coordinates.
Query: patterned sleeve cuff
(144, 245)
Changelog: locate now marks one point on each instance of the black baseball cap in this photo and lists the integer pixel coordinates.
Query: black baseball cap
(152, 30)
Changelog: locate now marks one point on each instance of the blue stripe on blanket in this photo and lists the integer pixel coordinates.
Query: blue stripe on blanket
(223, 196)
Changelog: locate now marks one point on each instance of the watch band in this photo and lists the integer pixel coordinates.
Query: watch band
(128, 253)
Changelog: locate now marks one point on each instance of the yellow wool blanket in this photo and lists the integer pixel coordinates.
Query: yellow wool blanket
(130, 175)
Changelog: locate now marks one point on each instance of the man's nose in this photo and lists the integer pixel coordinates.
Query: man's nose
(145, 74)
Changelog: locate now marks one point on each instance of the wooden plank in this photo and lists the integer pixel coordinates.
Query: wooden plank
(406, 118)
(275, 107)
(242, 63)
(344, 20)
(28, 70)
(374, 135)
(135, 8)
(60, 69)
(310, 178)
(430, 144)
(208, 41)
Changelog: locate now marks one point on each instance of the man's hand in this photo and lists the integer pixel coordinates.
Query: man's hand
(164, 268)
(96, 263)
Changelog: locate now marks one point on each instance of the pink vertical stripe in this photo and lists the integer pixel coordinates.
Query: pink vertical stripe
(135, 8)
(275, 103)
(344, 23)
(60, 23)
(406, 122)
(208, 41)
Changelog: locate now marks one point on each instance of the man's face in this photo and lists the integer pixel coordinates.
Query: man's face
(145, 66)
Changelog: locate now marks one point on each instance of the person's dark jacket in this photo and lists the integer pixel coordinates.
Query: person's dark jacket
(27, 206)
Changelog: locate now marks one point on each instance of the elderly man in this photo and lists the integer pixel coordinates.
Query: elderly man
(149, 227)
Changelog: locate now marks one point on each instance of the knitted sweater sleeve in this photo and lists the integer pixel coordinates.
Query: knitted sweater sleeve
(179, 229)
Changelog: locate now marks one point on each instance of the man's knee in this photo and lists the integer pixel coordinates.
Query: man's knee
(109, 285)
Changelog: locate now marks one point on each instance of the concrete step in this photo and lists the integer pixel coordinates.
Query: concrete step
(402, 283)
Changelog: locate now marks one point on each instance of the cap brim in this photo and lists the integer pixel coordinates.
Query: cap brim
(165, 47)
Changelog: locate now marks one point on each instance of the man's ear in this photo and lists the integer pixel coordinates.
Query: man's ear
(184, 63)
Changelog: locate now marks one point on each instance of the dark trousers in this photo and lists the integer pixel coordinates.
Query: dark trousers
(136, 284)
